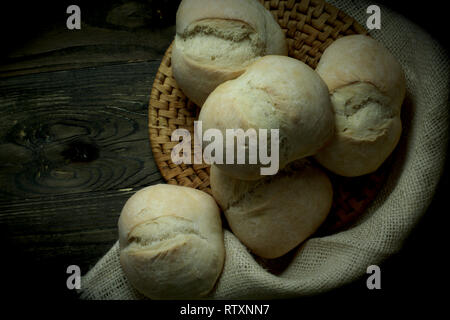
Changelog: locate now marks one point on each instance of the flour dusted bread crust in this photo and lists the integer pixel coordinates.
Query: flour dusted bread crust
(217, 39)
(171, 242)
(367, 88)
(275, 92)
(273, 215)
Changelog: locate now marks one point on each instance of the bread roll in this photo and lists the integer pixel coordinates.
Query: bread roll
(275, 92)
(217, 39)
(171, 242)
(273, 215)
(367, 88)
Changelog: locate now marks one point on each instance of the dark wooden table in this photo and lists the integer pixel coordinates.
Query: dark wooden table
(74, 142)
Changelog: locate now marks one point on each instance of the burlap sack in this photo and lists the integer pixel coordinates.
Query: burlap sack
(325, 263)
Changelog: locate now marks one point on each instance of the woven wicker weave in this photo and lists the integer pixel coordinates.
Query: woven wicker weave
(310, 27)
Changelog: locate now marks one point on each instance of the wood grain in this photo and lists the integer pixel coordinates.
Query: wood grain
(73, 148)
(73, 137)
(42, 237)
(63, 49)
(67, 229)
(112, 32)
(76, 131)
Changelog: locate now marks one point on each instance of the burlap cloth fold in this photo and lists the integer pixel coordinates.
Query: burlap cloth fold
(324, 263)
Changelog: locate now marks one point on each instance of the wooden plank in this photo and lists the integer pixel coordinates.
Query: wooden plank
(73, 228)
(63, 49)
(112, 32)
(76, 131)
(42, 237)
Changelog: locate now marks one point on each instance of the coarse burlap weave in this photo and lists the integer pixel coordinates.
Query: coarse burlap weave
(325, 263)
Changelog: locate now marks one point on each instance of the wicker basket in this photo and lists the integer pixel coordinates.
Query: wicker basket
(310, 27)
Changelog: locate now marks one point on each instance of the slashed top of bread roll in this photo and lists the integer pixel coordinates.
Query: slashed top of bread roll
(367, 88)
(359, 58)
(273, 215)
(275, 92)
(216, 40)
(171, 242)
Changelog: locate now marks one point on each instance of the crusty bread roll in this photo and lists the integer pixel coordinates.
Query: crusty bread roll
(367, 88)
(273, 215)
(275, 92)
(171, 242)
(217, 39)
